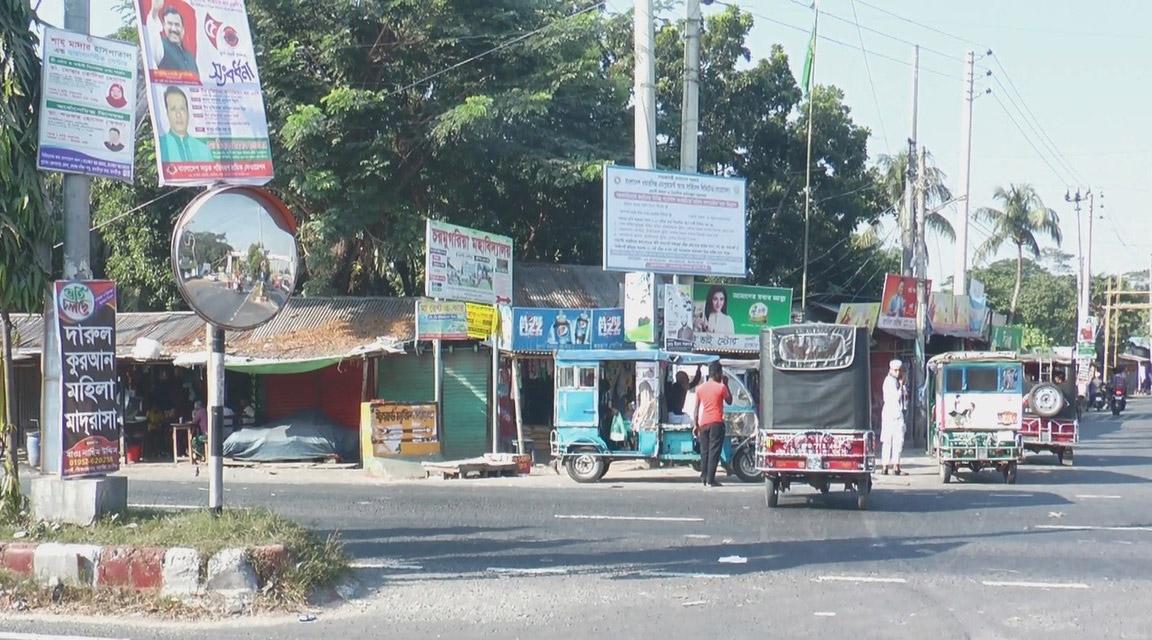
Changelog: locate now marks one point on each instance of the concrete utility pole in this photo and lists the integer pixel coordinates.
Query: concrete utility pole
(644, 73)
(77, 188)
(808, 164)
(908, 216)
(960, 275)
(1083, 271)
(690, 109)
(920, 270)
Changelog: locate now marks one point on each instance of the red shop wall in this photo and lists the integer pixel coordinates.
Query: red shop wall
(334, 391)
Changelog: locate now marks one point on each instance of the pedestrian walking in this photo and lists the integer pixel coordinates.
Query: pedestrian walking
(708, 421)
(892, 419)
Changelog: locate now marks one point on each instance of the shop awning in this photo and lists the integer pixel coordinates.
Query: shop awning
(567, 358)
(242, 364)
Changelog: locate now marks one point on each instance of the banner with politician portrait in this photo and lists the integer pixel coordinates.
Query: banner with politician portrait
(204, 92)
(86, 327)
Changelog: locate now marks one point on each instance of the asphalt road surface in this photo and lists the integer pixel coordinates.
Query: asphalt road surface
(217, 301)
(1064, 553)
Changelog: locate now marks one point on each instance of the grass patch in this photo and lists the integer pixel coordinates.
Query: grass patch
(20, 594)
(313, 563)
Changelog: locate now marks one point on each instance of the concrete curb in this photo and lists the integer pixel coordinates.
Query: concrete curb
(177, 572)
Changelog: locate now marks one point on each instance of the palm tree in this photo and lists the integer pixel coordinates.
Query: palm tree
(893, 170)
(1021, 219)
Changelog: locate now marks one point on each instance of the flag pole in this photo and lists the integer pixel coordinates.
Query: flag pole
(810, 72)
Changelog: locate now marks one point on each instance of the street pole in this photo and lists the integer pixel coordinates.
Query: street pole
(496, 395)
(1107, 328)
(77, 188)
(690, 111)
(645, 85)
(215, 338)
(1081, 281)
(960, 275)
(919, 372)
(907, 218)
(1088, 261)
(808, 169)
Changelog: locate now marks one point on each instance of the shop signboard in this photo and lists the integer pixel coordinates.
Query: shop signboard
(467, 265)
(87, 106)
(730, 317)
(441, 320)
(204, 93)
(680, 223)
(898, 303)
(640, 307)
(86, 325)
(949, 314)
(482, 320)
(538, 330)
(1007, 338)
(679, 330)
(402, 429)
(859, 314)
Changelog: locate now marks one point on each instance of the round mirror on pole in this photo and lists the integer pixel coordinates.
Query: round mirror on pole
(234, 256)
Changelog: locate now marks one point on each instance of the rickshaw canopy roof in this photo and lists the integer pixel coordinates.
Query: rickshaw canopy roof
(573, 357)
(975, 356)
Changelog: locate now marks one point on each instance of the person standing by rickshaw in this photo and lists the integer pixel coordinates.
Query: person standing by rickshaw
(708, 421)
(892, 419)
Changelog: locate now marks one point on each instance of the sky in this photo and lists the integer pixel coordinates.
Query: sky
(1069, 96)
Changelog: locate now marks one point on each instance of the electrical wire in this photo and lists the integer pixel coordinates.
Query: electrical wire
(868, 69)
(856, 22)
(893, 14)
(1028, 139)
(126, 213)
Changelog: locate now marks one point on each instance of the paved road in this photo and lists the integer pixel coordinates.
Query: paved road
(241, 308)
(1064, 552)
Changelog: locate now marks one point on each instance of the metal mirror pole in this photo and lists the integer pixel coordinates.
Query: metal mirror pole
(215, 419)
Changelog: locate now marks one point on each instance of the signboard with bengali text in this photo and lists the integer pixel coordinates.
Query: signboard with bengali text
(729, 317)
(467, 265)
(898, 303)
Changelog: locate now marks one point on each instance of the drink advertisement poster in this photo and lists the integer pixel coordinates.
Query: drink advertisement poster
(728, 317)
(87, 106)
(898, 303)
(535, 329)
(467, 265)
(86, 324)
(208, 116)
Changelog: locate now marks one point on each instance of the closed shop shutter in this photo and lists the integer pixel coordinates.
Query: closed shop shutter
(340, 387)
(288, 394)
(466, 388)
(405, 378)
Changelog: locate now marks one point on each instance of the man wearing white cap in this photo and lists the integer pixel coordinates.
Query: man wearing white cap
(892, 419)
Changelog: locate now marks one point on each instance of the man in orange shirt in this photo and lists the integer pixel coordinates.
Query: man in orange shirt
(708, 422)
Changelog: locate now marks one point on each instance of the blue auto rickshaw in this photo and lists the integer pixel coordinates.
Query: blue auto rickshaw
(610, 405)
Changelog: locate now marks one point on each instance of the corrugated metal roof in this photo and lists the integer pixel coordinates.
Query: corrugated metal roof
(566, 286)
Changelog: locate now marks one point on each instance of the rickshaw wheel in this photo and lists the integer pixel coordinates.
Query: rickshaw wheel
(946, 472)
(744, 466)
(772, 492)
(1010, 473)
(586, 467)
(1060, 456)
(1070, 456)
(863, 492)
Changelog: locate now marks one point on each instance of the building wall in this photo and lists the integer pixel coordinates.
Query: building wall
(335, 391)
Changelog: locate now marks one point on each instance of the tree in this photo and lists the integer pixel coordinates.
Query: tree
(893, 171)
(1047, 306)
(1021, 219)
(24, 223)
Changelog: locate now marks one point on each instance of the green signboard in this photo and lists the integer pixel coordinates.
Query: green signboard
(728, 317)
(1007, 338)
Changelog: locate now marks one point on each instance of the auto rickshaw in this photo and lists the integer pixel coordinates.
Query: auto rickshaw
(610, 405)
(815, 410)
(1051, 412)
(976, 399)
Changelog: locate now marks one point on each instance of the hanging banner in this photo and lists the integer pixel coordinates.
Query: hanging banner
(729, 317)
(949, 314)
(87, 106)
(861, 314)
(86, 326)
(640, 307)
(898, 303)
(481, 321)
(441, 320)
(679, 332)
(977, 308)
(680, 223)
(204, 93)
(467, 265)
(1007, 338)
(1086, 339)
(551, 329)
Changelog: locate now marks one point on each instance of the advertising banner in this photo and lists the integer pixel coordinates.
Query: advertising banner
(679, 333)
(728, 317)
(441, 320)
(481, 320)
(86, 325)
(898, 303)
(978, 308)
(1007, 338)
(678, 223)
(87, 106)
(949, 314)
(859, 314)
(552, 329)
(204, 92)
(640, 307)
(467, 265)
(403, 429)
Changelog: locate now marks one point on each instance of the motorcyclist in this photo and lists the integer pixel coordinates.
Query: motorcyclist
(1120, 381)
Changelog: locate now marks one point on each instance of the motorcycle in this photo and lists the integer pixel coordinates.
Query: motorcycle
(1118, 400)
(1098, 400)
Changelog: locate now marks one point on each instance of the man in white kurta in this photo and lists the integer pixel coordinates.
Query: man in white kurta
(892, 419)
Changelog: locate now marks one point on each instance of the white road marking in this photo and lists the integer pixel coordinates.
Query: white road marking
(824, 614)
(40, 636)
(384, 564)
(1036, 585)
(634, 518)
(167, 506)
(1011, 495)
(539, 571)
(694, 603)
(733, 560)
(1089, 496)
(1088, 527)
(697, 536)
(680, 574)
(860, 579)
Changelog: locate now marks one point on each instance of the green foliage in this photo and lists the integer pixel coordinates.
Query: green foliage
(1023, 220)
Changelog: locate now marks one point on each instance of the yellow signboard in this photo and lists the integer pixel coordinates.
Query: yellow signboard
(399, 429)
(482, 321)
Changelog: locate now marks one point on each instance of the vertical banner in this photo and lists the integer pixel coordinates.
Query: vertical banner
(87, 106)
(898, 303)
(679, 334)
(86, 317)
(466, 264)
(640, 307)
(978, 307)
(204, 93)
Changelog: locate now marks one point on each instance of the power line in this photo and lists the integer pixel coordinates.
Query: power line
(1028, 139)
(856, 22)
(868, 69)
(955, 37)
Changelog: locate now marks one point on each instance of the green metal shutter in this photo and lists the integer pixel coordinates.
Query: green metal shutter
(406, 378)
(466, 388)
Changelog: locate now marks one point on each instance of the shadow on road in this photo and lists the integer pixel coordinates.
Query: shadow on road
(908, 501)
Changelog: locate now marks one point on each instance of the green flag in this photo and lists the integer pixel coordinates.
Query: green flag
(809, 60)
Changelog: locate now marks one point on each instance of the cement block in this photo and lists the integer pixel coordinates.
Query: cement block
(140, 568)
(181, 572)
(18, 558)
(81, 501)
(72, 564)
(229, 570)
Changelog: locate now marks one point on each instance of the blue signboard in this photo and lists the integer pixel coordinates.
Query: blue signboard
(552, 329)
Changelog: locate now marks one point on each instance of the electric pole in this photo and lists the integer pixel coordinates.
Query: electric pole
(920, 271)
(960, 275)
(690, 108)
(644, 78)
(908, 217)
(77, 188)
